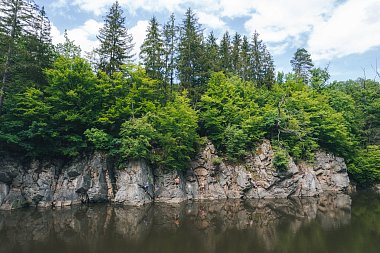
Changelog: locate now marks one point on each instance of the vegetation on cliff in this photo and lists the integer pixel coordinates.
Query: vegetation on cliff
(55, 103)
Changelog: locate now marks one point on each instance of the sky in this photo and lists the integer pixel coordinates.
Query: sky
(343, 34)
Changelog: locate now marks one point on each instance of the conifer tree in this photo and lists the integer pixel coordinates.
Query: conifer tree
(152, 51)
(15, 22)
(302, 64)
(191, 60)
(244, 71)
(235, 54)
(115, 41)
(212, 49)
(170, 51)
(262, 67)
(225, 53)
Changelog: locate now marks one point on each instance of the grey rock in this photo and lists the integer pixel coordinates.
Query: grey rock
(4, 190)
(170, 186)
(134, 184)
(14, 200)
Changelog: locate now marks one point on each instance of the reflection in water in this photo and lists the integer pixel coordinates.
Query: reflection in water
(280, 225)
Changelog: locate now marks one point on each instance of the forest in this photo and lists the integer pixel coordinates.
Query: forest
(57, 101)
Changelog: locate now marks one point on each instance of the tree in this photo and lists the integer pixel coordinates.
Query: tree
(225, 53)
(152, 51)
(319, 78)
(244, 71)
(302, 64)
(191, 61)
(170, 41)
(115, 41)
(235, 54)
(14, 21)
(39, 51)
(212, 49)
(68, 49)
(262, 67)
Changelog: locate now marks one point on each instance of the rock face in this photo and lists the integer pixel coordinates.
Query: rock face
(258, 178)
(94, 179)
(134, 184)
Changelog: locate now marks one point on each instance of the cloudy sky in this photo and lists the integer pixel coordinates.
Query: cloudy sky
(342, 33)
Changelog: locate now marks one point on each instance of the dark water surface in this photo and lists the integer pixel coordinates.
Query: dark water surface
(334, 223)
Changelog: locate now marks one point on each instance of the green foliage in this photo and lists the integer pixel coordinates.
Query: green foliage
(280, 159)
(136, 137)
(99, 138)
(234, 142)
(217, 161)
(176, 124)
(229, 115)
(365, 167)
(166, 137)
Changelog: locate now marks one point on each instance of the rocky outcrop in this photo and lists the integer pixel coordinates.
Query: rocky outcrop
(53, 183)
(94, 179)
(256, 177)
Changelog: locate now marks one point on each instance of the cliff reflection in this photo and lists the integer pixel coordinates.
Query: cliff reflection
(187, 227)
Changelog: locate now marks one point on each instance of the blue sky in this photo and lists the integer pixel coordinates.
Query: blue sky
(342, 33)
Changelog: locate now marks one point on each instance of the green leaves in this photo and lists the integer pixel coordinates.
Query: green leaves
(136, 137)
(166, 137)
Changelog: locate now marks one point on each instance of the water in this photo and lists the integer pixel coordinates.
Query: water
(335, 223)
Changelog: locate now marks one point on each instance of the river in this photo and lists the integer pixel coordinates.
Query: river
(330, 223)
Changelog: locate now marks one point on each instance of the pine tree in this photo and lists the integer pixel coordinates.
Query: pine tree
(170, 52)
(115, 41)
(235, 54)
(191, 61)
(302, 64)
(225, 53)
(152, 51)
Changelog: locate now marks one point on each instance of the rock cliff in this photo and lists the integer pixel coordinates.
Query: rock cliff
(94, 179)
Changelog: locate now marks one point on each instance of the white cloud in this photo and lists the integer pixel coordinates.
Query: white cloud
(84, 35)
(237, 8)
(99, 7)
(353, 28)
(211, 21)
(328, 28)
(138, 32)
(277, 21)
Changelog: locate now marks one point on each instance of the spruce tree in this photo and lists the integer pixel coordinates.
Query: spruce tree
(212, 49)
(15, 23)
(191, 61)
(235, 54)
(152, 51)
(225, 53)
(115, 41)
(262, 67)
(170, 50)
(302, 64)
(244, 71)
